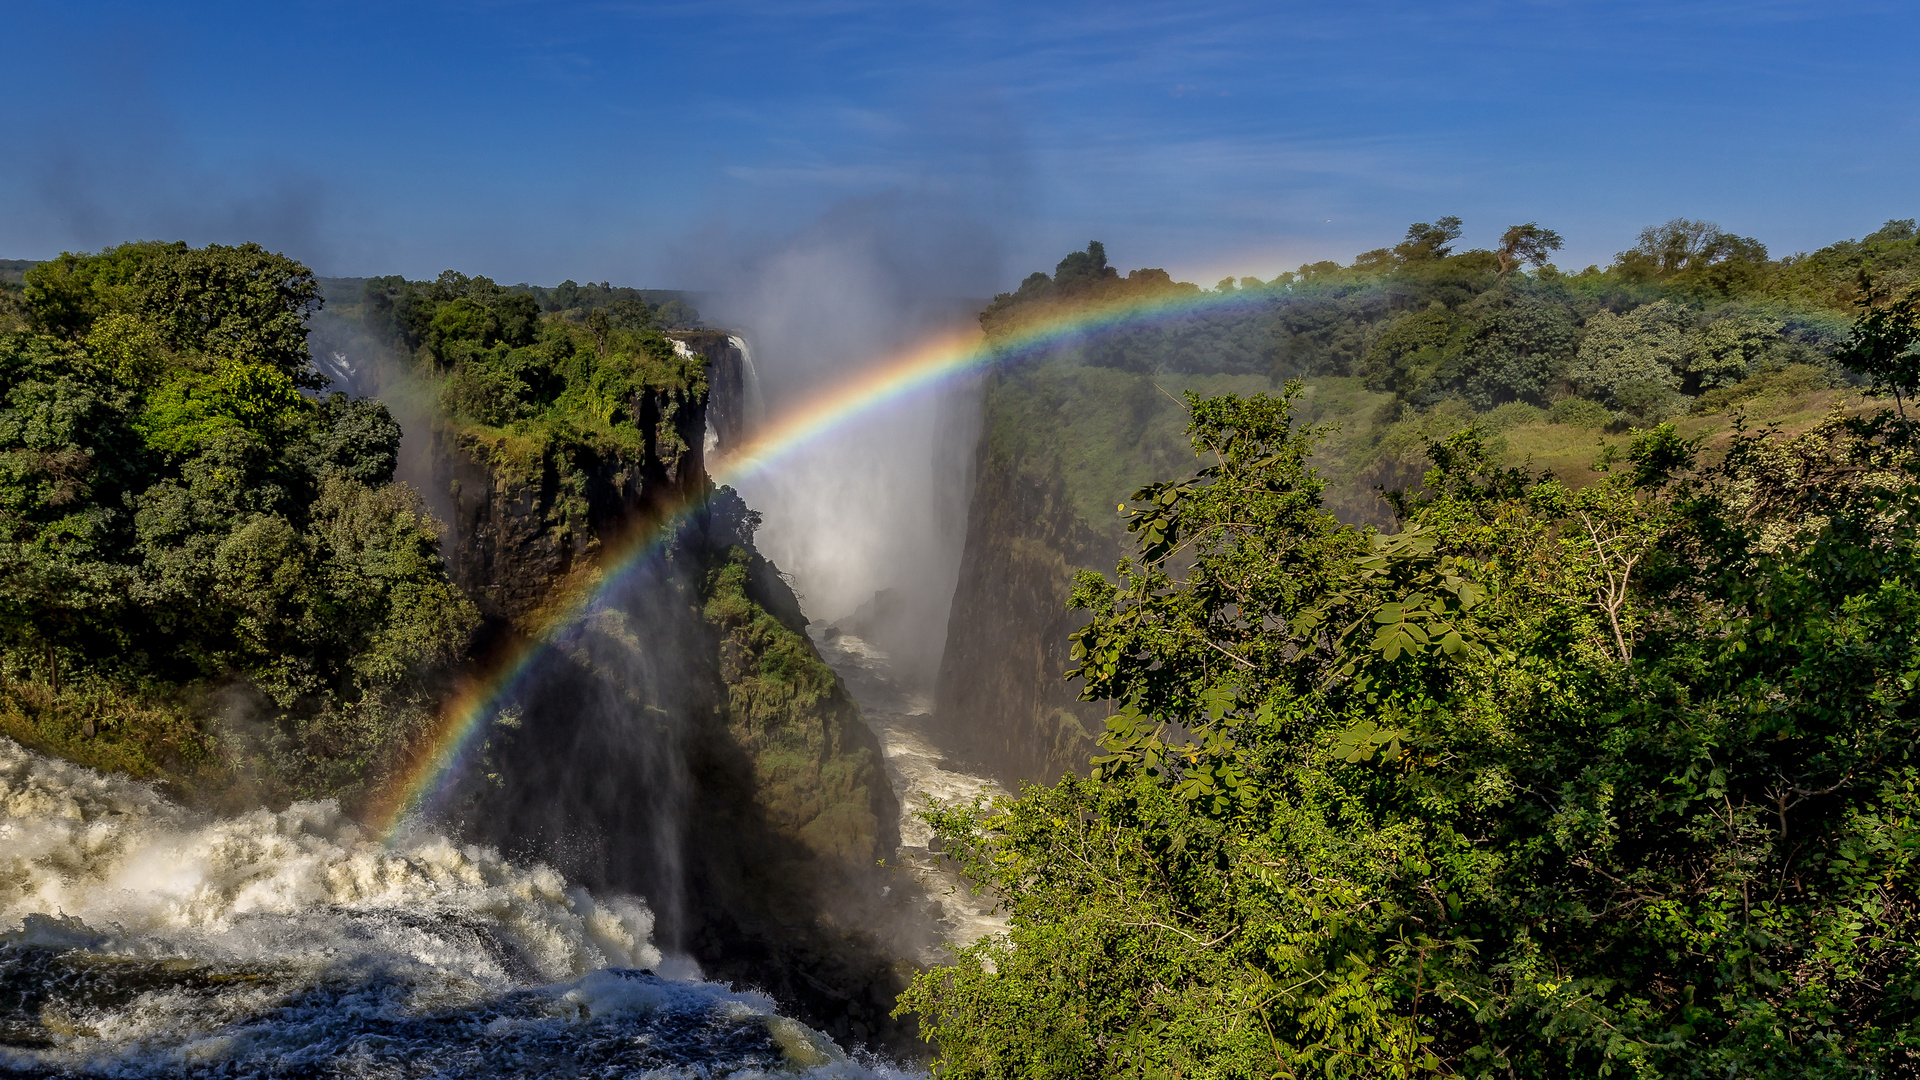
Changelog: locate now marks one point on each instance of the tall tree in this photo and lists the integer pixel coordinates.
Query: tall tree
(1426, 242)
(1527, 243)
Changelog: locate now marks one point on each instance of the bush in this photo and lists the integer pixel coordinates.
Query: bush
(1512, 415)
(1786, 382)
(1579, 413)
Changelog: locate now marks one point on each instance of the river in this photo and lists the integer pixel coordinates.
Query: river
(140, 939)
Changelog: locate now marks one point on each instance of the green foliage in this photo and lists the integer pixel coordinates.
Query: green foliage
(175, 514)
(1669, 330)
(815, 770)
(1841, 275)
(1765, 386)
(1696, 258)
(1409, 353)
(1550, 782)
(1527, 243)
(1579, 413)
(1886, 347)
(594, 377)
(222, 303)
(1095, 430)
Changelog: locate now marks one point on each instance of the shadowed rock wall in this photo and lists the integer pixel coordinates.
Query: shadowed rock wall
(684, 742)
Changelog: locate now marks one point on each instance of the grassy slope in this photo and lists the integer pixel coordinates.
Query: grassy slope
(1109, 432)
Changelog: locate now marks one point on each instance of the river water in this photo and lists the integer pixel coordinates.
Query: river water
(138, 939)
(920, 769)
(141, 939)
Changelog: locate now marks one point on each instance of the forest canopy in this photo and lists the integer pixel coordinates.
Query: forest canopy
(176, 513)
(566, 364)
(207, 563)
(1549, 782)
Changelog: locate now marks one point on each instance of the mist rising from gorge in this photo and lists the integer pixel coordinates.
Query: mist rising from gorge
(875, 509)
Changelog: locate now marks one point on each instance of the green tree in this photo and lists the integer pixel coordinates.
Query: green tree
(238, 303)
(1527, 243)
(1886, 347)
(1697, 257)
(1512, 349)
(1548, 783)
(1426, 242)
(175, 515)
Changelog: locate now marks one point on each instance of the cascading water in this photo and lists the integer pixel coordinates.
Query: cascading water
(919, 768)
(141, 939)
(146, 940)
(756, 405)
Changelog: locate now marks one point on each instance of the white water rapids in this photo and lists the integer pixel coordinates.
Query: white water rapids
(139, 939)
(919, 770)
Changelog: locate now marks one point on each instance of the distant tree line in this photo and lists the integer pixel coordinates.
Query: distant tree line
(1688, 310)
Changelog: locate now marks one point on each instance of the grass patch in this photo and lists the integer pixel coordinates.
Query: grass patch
(123, 731)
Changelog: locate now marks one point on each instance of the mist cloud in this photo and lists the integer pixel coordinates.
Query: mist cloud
(880, 503)
(109, 163)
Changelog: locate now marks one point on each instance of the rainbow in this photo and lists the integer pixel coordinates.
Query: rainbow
(465, 718)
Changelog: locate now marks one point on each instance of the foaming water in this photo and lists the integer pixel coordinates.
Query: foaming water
(139, 939)
(920, 769)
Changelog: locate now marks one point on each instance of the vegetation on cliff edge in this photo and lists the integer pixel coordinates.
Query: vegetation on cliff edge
(184, 533)
(1553, 781)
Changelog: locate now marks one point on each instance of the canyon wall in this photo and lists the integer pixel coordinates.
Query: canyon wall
(1062, 444)
(683, 741)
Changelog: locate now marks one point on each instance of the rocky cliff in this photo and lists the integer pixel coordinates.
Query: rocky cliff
(526, 513)
(1000, 690)
(685, 742)
(731, 397)
(1062, 443)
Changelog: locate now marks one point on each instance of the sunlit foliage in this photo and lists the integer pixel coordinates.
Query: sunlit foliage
(1549, 782)
(179, 520)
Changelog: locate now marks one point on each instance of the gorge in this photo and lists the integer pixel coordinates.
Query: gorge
(549, 764)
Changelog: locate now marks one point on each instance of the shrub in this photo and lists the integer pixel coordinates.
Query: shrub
(1579, 412)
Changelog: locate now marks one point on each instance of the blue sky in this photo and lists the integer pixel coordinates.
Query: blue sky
(657, 144)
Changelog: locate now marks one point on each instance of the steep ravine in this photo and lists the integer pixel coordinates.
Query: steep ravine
(923, 763)
(685, 743)
(1062, 443)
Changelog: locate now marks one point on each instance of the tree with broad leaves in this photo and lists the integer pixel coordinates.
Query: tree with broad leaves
(1886, 347)
(1548, 783)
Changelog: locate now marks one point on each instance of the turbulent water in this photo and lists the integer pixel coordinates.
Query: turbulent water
(919, 769)
(138, 939)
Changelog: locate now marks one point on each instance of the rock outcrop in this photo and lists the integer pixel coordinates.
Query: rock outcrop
(526, 513)
(684, 742)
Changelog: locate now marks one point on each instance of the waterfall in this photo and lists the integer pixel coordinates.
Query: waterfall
(140, 939)
(710, 442)
(755, 408)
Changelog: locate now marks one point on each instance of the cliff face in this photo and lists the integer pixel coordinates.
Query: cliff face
(684, 743)
(729, 375)
(1000, 688)
(1061, 445)
(524, 516)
